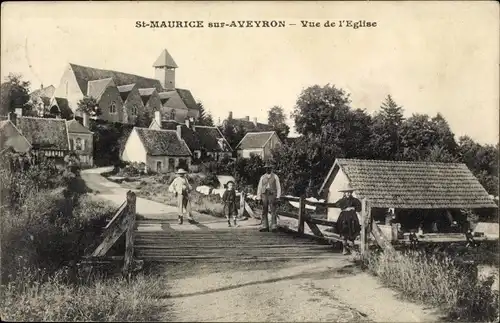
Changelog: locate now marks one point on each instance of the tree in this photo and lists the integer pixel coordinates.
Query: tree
(89, 105)
(15, 95)
(385, 132)
(420, 134)
(277, 119)
(205, 118)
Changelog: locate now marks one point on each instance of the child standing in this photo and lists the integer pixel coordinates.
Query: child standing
(229, 200)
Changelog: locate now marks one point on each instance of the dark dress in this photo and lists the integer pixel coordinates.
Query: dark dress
(348, 223)
(230, 207)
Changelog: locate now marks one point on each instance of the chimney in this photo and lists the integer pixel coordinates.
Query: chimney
(188, 123)
(247, 118)
(255, 122)
(230, 115)
(41, 86)
(158, 117)
(13, 118)
(85, 120)
(179, 131)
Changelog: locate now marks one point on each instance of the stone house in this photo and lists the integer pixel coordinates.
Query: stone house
(203, 141)
(53, 138)
(161, 150)
(258, 143)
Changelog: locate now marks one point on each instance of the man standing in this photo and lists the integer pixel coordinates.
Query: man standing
(181, 188)
(347, 225)
(269, 190)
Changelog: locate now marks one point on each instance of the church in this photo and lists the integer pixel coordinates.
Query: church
(123, 97)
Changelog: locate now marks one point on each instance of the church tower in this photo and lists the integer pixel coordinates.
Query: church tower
(165, 70)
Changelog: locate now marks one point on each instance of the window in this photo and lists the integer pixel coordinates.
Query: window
(172, 114)
(134, 110)
(158, 166)
(112, 107)
(78, 144)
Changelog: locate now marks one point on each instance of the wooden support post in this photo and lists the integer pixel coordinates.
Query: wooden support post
(129, 237)
(302, 214)
(242, 204)
(364, 240)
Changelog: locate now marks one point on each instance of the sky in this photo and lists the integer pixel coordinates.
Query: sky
(430, 56)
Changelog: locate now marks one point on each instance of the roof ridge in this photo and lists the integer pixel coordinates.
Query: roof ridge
(398, 161)
(102, 69)
(55, 119)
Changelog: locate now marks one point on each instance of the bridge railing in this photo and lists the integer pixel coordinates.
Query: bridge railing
(123, 222)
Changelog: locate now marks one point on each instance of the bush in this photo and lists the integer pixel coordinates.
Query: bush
(210, 180)
(437, 281)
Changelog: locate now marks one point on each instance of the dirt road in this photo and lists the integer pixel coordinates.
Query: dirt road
(319, 291)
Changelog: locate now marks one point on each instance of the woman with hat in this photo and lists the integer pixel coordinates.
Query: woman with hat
(181, 188)
(348, 223)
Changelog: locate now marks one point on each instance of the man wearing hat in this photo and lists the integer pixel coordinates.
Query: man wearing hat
(269, 190)
(181, 188)
(348, 223)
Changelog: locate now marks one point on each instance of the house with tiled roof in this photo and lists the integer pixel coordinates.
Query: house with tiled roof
(258, 143)
(40, 99)
(404, 186)
(113, 89)
(203, 141)
(52, 137)
(161, 151)
(245, 123)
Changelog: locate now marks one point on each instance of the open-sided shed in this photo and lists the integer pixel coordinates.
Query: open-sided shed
(405, 185)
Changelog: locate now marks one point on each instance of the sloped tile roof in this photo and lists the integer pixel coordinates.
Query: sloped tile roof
(254, 140)
(10, 136)
(96, 88)
(162, 142)
(413, 185)
(46, 92)
(125, 90)
(44, 132)
(165, 59)
(250, 126)
(84, 74)
(76, 127)
(147, 92)
(188, 98)
(209, 137)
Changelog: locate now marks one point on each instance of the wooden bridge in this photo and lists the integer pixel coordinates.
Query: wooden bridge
(231, 244)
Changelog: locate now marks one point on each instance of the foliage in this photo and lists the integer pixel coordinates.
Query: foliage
(89, 105)
(277, 119)
(233, 132)
(205, 118)
(385, 131)
(438, 281)
(211, 180)
(15, 95)
(109, 141)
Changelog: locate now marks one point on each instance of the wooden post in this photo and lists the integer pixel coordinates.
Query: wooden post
(242, 204)
(364, 228)
(302, 214)
(129, 235)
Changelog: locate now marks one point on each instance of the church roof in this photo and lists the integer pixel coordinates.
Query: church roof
(165, 59)
(97, 88)
(84, 74)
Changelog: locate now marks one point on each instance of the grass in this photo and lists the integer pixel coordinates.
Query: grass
(113, 299)
(439, 282)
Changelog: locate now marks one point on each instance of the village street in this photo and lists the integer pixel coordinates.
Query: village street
(317, 290)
